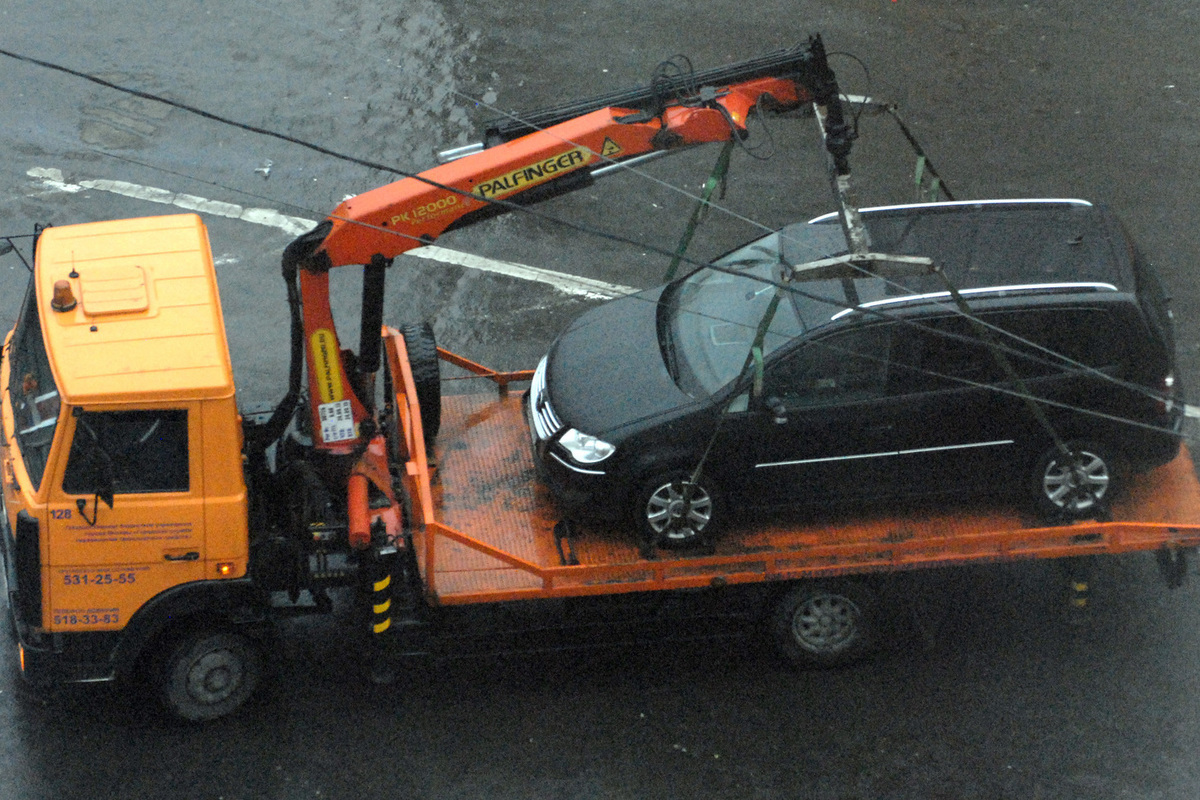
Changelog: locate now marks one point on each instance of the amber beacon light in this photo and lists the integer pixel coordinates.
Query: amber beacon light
(64, 299)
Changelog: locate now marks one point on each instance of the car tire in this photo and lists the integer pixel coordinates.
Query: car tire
(1082, 491)
(825, 623)
(427, 375)
(674, 513)
(209, 674)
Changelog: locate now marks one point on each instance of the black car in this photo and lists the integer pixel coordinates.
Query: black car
(747, 384)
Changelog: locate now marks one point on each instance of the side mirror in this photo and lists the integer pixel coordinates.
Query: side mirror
(778, 410)
(102, 482)
(103, 493)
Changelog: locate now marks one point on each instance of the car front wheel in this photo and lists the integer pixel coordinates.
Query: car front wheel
(674, 512)
(1074, 486)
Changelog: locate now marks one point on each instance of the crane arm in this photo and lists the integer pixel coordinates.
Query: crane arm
(522, 162)
(527, 164)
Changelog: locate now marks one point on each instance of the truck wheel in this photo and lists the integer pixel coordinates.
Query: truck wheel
(427, 375)
(1073, 488)
(209, 674)
(825, 623)
(674, 513)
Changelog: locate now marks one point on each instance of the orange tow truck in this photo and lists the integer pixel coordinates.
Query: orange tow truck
(151, 529)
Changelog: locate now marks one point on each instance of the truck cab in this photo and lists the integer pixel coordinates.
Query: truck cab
(122, 444)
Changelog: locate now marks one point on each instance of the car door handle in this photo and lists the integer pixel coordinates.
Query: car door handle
(192, 556)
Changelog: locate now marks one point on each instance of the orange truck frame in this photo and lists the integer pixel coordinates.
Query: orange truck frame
(152, 529)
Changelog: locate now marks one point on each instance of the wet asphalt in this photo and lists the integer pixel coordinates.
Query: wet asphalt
(984, 687)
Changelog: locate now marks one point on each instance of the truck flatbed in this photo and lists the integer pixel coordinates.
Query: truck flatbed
(489, 527)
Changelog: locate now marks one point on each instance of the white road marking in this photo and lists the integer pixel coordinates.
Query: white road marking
(53, 179)
(1191, 411)
(570, 284)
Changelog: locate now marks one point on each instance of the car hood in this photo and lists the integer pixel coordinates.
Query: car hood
(606, 371)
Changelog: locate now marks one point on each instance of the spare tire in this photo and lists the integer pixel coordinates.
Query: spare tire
(427, 375)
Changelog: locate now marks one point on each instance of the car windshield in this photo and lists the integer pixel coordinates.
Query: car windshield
(32, 390)
(714, 313)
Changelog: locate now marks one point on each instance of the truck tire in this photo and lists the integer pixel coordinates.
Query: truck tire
(427, 375)
(825, 623)
(209, 674)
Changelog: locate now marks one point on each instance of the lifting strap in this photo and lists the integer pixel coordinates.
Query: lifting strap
(717, 178)
(926, 191)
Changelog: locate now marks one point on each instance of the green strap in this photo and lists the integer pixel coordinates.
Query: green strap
(716, 179)
(757, 356)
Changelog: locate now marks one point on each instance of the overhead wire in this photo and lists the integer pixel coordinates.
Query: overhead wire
(508, 205)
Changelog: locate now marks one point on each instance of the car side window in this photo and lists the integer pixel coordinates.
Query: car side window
(942, 353)
(843, 368)
(1088, 336)
(947, 353)
(138, 451)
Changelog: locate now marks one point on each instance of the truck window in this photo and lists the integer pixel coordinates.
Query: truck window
(144, 451)
(32, 390)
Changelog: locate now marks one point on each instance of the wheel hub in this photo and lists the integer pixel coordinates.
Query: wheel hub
(213, 677)
(826, 623)
(1076, 485)
(678, 510)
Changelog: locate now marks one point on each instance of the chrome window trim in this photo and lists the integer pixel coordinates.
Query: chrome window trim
(960, 203)
(1022, 287)
(884, 454)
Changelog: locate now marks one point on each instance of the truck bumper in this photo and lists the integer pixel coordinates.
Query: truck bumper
(65, 660)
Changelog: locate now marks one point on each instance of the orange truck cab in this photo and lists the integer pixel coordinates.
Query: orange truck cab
(124, 493)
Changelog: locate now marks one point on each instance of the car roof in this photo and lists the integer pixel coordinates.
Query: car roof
(994, 243)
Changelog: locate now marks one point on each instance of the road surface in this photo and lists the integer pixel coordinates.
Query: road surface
(984, 691)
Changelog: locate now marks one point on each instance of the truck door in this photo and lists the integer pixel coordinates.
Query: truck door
(105, 563)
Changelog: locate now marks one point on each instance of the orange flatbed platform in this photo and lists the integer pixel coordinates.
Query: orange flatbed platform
(488, 532)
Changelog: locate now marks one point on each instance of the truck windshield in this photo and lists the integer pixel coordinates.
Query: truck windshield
(32, 390)
(715, 313)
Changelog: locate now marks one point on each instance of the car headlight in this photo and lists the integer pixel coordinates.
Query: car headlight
(585, 449)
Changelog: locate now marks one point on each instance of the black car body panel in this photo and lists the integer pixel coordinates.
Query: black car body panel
(586, 348)
(870, 388)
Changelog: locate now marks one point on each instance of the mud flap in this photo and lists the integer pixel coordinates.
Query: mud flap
(1172, 564)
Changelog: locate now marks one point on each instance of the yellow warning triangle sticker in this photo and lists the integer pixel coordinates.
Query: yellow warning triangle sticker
(611, 148)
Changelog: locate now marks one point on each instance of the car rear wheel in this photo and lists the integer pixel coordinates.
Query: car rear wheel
(674, 512)
(1077, 486)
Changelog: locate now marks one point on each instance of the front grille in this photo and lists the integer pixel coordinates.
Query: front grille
(545, 422)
